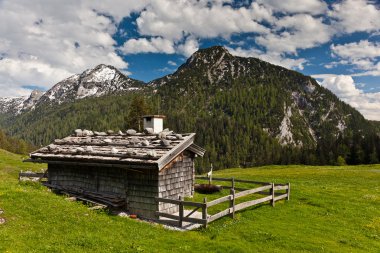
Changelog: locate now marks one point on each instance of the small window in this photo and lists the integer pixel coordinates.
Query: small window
(148, 118)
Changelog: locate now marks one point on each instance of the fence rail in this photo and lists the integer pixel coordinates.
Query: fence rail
(272, 196)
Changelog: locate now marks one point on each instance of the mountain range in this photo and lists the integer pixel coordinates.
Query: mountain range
(99, 81)
(246, 111)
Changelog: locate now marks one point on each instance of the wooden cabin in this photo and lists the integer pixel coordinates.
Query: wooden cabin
(124, 170)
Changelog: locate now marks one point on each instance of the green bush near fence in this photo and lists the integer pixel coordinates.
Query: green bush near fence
(331, 209)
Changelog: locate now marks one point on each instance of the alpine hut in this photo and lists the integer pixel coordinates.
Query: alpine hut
(125, 170)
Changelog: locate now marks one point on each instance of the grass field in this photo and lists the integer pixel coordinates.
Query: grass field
(332, 209)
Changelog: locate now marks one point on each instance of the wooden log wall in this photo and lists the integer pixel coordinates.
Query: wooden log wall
(141, 192)
(138, 187)
(97, 179)
(176, 179)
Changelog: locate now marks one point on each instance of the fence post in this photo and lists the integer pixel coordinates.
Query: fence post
(204, 211)
(232, 202)
(180, 211)
(233, 183)
(288, 192)
(272, 192)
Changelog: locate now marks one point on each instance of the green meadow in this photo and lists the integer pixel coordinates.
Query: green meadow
(331, 209)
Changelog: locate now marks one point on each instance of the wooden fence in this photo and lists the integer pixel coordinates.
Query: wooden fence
(28, 174)
(268, 189)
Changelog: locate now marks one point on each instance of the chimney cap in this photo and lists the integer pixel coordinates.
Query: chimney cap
(154, 116)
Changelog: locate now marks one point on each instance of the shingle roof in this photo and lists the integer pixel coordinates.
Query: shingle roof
(147, 150)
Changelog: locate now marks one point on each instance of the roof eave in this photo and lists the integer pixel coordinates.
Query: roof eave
(173, 153)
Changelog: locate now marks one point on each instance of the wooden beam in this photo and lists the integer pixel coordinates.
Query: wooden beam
(219, 215)
(173, 153)
(252, 203)
(283, 196)
(94, 164)
(251, 191)
(280, 187)
(218, 201)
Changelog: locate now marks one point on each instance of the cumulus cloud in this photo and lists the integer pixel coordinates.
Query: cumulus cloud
(175, 19)
(344, 87)
(42, 43)
(296, 6)
(50, 45)
(364, 55)
(357, 50)
(296, 32)
(274, 58)
(356, 16)
(189, 47)
(143, 45)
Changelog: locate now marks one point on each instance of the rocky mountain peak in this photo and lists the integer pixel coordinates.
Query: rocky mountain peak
(208, 56)
(216, 64)
(98, 81)
(32, 99)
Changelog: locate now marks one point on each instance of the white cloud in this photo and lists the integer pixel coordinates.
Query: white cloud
(41, 43)
(344, 87)
(364, 55)
(295, 32)
(172, 63)
(143, 45)
(357, 50)
(189, 47)
(296, 6)
(356, 16)
(176, 19)
(274, 58)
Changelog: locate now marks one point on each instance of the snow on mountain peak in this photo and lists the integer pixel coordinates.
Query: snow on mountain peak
(95, 82)
(101, 73)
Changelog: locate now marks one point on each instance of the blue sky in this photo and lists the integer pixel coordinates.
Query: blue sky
(337, 42)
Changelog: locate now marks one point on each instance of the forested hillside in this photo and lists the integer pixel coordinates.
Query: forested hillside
(14, 145)
(245, 111)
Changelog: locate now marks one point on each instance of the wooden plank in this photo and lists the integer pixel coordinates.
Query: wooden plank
(195, 220)
(230, 179)
(129, 166)
(171, 201)
(102, 154)
(204, 211)
(250, 181)
(166, 215)
(280, 187)
(283, 196)
(232, 202)
(251, 203)
(193, 211)
(218, 201)
(180, 211)
(31, 174)
(220, 214)
(195, 204)
(251, 191)
(173, 153)
(288, 192)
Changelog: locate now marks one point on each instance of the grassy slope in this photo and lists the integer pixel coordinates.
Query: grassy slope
(331, 209)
